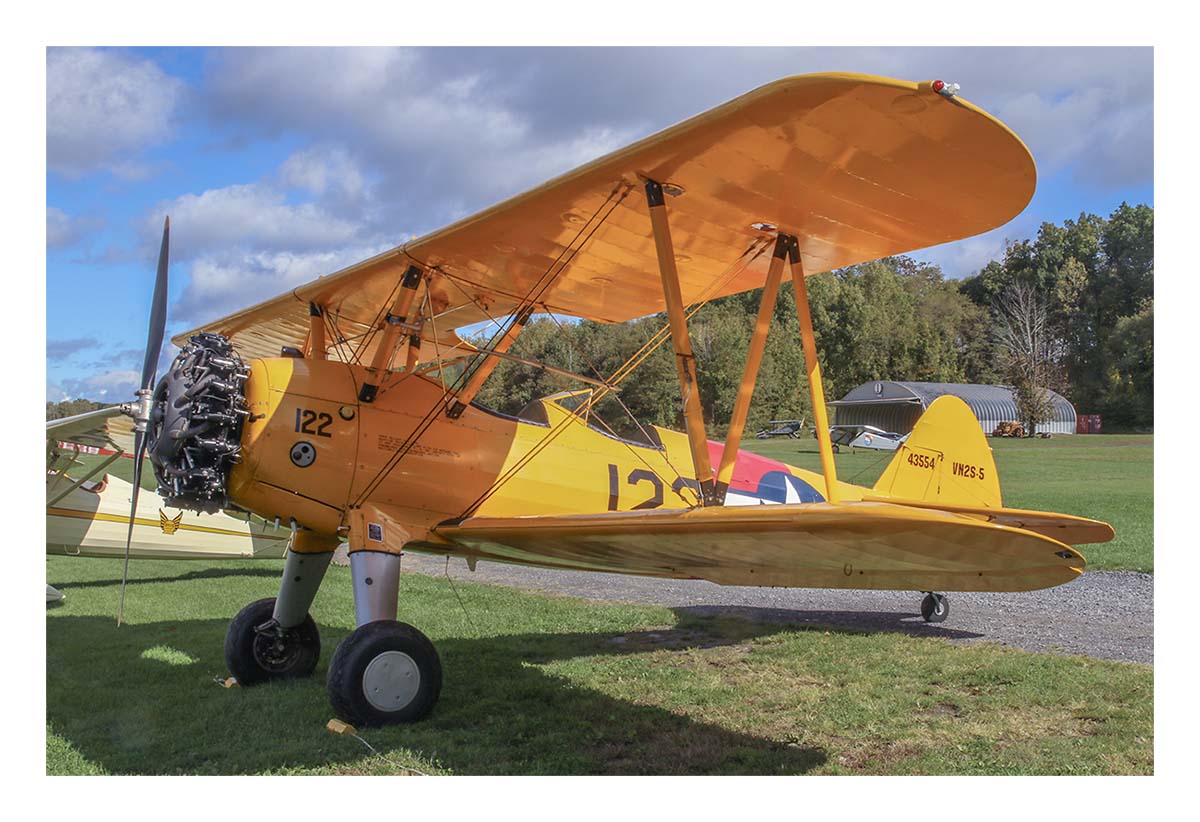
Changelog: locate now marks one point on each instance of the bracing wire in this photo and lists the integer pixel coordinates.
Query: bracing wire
(461, 604)
(646, 434)
(621, 373)
(536, 291)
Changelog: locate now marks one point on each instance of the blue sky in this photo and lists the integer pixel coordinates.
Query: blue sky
(279, 165)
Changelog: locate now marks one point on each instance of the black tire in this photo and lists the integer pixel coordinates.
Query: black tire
(935, 607)
(347, 692)
(254, 657)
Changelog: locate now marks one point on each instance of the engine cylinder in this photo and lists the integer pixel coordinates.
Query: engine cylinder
(195, 429)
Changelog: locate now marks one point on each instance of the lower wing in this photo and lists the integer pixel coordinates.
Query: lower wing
(868, 545)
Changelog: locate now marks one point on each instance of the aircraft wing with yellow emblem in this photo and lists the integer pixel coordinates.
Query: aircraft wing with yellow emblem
(87, 506)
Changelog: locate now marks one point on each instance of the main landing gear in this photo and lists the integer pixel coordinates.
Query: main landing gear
(385, 672)
(935, 607)
(259, 649)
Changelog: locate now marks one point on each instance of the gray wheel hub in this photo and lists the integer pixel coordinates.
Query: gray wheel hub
(391, 681)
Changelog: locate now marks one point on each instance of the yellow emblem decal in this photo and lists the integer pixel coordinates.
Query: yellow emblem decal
(169, 526)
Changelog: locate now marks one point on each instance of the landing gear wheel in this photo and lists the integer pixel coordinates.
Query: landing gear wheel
(935, 607)
(384, 673)
(258, 650)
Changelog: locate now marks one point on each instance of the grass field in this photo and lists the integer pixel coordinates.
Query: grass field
(1108, 477)
(537, 684)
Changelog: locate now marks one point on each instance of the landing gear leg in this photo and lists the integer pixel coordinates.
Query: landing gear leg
(935, 607)
(275, 638)
(385, 672)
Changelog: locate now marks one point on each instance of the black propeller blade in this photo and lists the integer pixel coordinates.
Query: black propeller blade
(154, 339)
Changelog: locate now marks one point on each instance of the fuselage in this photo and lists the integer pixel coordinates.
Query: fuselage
(312, 452)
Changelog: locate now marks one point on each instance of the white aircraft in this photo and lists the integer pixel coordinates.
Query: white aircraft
(864, 436)
(88, 510)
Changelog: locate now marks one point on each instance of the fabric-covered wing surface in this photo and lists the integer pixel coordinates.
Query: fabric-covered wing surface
(103, 428)
(867, 545)
(857, 167)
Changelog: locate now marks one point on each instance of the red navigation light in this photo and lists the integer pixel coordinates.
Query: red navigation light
(938, 85)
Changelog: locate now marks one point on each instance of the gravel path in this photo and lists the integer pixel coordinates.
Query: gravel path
(1105, 614)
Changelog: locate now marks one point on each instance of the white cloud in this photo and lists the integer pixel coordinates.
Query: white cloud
(58, 228)
(437, 138)
(64, 349)
(63, 230)
(324, 171)
(254, 215)
(111, 386)
(222, 284)
(102, 106)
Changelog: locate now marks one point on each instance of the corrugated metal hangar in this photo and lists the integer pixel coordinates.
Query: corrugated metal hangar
(895, 406)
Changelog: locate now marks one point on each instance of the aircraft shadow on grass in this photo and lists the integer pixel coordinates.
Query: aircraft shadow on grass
(861, 622)
(206, 573)
(130, 712)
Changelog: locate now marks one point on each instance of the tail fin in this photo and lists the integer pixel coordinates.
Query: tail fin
(945, 459)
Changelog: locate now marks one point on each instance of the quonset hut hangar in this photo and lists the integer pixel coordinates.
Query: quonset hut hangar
(895, 406)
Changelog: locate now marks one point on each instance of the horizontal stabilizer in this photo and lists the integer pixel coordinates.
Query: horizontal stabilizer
(1063, 527)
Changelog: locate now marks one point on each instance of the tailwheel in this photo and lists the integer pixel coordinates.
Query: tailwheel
(258, 649)
(935, 607)
(384, 673)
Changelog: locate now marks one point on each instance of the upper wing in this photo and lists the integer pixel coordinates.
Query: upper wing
(103, 428)
(858, 167)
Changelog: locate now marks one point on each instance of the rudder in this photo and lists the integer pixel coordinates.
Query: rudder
(945, 459)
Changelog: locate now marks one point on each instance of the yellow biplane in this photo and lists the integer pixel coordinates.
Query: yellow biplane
(344, 407)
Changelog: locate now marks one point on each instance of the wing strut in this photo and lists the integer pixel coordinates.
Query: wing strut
(395, 318)
(316, 332)
(78, 483)
(820, 416)
(685, 361)
(484, 370)
(758, 344)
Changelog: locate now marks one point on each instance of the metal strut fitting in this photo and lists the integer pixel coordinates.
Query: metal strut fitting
(316, 332)
(394, 319)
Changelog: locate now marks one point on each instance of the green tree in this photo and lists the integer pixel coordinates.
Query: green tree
(69, 408)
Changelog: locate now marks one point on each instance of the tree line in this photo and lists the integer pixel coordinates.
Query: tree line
(1071, 310)
(69, 408)
(1088, 283)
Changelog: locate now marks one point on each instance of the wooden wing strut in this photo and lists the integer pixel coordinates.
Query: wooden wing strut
(816, 389)
(397, 316)
(685, 360)
(758, 344)
(316, 332)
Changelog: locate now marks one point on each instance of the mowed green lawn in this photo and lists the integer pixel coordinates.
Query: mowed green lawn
(1108, 477)
(538, 684)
